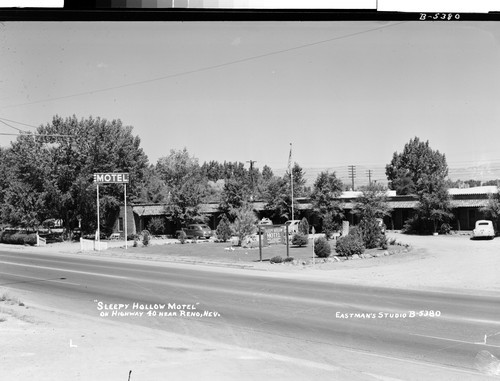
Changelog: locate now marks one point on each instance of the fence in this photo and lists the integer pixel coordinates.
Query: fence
(40, 241)
(90, 245)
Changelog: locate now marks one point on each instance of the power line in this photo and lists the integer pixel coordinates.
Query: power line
(208, 68)
(8, 125)
(13, 121)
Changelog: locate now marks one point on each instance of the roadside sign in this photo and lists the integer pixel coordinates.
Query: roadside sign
(111, 178)
(273, 235)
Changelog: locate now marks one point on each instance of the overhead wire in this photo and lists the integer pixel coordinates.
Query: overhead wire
(208, 68)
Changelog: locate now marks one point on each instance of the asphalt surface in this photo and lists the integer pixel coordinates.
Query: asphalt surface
(302, 318)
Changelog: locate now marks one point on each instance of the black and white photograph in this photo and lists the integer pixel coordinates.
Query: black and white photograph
(292, 197)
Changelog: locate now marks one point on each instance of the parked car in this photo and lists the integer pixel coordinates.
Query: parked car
(484, 229)
(265, 221)
(196, 231)
(293, 226)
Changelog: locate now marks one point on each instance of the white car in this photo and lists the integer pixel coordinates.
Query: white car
(484, 229)
(293, 226)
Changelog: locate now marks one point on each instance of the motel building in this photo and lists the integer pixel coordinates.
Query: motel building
(466, 204)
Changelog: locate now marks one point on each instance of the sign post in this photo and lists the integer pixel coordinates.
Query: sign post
(313, 231)
(112, 178)
(98, 238)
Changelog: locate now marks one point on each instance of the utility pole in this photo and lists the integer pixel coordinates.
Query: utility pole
(369, 173)
(352, 174)
(251, 174)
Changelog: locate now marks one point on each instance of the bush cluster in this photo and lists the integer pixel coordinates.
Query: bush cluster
(445, 228)
(18, 238)
(276, 259)
(350, 244)
(156, 226)
(371, 232)
(182, 237)
(146, 237)
(223, 231)
(322, 247)
(299, 239)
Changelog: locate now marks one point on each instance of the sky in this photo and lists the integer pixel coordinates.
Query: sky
(343, 93)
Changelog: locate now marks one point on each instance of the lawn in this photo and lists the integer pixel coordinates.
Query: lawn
(223, 252)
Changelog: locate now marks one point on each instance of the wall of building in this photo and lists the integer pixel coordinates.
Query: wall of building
(119, 226)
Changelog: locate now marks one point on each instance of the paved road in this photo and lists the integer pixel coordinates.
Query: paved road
(306, 319)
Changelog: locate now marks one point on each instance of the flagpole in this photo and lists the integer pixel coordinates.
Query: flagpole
(291, 175)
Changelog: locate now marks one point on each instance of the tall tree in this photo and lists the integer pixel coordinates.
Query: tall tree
(278, 199)
(175, 168)
(186, 185)
(324, 198)
(421, 171)
(407, 170)
(299, 180)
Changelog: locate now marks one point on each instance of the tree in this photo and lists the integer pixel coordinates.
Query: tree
(372, 203)
(432, 209)
(55, 171)
(324, 198)
(370, 207)
(156, 226)
(223, 230)
(407, 169)
(245, 222)
(278, 199)
(233, 196)
(152, 189)
(175, 168)
(185, 201)
(299, 180)
(421, 171)
(267, 173)
(492, 209)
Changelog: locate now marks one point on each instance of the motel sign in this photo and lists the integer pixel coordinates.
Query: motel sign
(111, 178)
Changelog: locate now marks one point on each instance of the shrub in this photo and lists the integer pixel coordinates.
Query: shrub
(146, 238)
(223, 231)
(182, 237)
(304, 226)
(384, 242)
(18, 238)
(299, 239)
(445, 229)
(371, 232)
(288, 259)
(350, 244)
(329, 225)
(322, 247)
(156, 225)
(276, 259)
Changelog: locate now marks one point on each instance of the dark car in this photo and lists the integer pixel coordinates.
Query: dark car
(197, 231)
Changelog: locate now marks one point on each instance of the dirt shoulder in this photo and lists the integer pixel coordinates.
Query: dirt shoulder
(54, 345)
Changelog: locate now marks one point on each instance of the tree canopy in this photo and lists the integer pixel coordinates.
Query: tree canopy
(50, 172)
(422, 171)
(410, 171)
